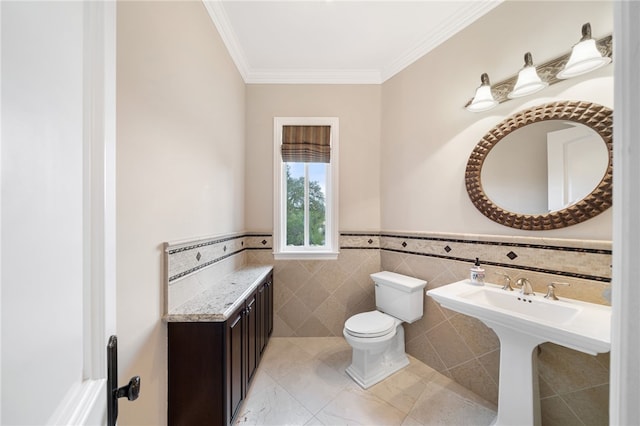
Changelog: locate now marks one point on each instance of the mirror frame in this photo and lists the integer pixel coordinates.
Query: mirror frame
(597, 117)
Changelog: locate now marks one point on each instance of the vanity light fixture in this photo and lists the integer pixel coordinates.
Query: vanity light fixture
(585, 56)
(483, 100)
(528, 80)
(588, 55)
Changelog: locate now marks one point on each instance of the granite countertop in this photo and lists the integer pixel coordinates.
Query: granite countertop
(222, 299)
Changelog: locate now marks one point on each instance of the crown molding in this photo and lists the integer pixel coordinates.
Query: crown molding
(445, 30)
(283, 76)
(221, 21)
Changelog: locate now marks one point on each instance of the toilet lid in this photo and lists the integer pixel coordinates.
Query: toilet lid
(369, 324)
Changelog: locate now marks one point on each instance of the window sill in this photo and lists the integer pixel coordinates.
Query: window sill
(308, 255)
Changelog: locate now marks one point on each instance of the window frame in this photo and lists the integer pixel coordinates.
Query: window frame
(331, 248)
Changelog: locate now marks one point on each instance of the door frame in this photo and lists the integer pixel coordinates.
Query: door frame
(625, 295)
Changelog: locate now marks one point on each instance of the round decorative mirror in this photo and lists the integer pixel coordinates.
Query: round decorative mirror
(547, 167)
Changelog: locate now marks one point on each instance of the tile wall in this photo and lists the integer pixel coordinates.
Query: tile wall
(190, 267)
(314, 298)
(573, 386)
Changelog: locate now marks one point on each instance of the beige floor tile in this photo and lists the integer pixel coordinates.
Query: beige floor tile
(314, 385)
(279, 359)
(339, 358)
(439, 404)
(410, 421)
(318, 346)
(401, 390)
(354, 406)
(314, 422)
(301, 381)
(269, 404)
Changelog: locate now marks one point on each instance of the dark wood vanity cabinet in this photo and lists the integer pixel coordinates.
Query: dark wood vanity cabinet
(235, 363)
(211, 364)
(265, 303)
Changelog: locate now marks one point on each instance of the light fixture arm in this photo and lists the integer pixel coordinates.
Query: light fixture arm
(528, 59)
(586, 32)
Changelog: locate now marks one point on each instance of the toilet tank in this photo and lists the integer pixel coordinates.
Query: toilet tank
(399, 295)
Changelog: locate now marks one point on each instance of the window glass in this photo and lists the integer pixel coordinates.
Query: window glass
(317, 203)
(306, 186)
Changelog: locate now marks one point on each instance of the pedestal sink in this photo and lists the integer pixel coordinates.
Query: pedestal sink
(522, 323)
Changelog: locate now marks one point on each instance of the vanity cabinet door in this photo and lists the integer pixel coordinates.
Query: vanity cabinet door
(236, 346)
(265, 301)
(262, 326)
(268, 312)
(196, 373)
(253, 352)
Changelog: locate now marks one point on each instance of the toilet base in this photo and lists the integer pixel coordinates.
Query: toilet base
(388, 368)
(373, 360)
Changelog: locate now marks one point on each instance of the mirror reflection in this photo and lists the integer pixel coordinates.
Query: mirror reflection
(544, 167)
(541, 185)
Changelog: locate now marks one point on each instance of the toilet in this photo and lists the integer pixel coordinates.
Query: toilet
(377, 337)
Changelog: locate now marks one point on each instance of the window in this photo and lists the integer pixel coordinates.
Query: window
(306, 187)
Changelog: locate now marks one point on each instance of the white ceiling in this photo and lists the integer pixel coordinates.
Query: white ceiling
(336, 41)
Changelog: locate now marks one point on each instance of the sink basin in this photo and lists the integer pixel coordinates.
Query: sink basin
(572, 323)
(558, 313)
(522, 322)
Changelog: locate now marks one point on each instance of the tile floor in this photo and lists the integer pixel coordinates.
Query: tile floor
(302, 381)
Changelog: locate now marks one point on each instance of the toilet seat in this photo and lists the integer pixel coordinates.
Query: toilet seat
(370, 324)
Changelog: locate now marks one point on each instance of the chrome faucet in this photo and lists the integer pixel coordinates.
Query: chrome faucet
(507, 281)
(525, 287)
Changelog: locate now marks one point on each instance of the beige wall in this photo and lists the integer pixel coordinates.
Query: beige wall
(180, 170)
(427, 135)
(186, 168)
(357, 107)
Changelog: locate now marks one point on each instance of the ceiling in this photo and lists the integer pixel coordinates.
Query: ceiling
(336, 41)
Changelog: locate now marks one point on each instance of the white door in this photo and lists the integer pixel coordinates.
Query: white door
(57, 210)
(577, 159)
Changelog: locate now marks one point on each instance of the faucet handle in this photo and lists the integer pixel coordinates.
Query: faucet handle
(551, 290)
(507, 281)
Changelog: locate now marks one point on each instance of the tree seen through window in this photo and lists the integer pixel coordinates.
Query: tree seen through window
(303, 178)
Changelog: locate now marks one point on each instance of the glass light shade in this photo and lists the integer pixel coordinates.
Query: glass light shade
(528, 82)
(585, 57)
(483, 100)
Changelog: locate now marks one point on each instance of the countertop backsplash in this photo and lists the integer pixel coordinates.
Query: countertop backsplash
(192, 267)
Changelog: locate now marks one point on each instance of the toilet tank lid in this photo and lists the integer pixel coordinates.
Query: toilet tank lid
(399, 281)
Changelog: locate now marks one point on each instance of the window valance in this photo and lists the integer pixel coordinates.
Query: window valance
(306, 144)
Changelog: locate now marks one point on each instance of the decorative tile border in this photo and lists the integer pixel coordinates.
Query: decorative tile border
(591, 261)
(583, 259)
(186, 258)
(360, 240)
(258, 241)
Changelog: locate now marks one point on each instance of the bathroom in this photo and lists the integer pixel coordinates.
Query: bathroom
(204, 138)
